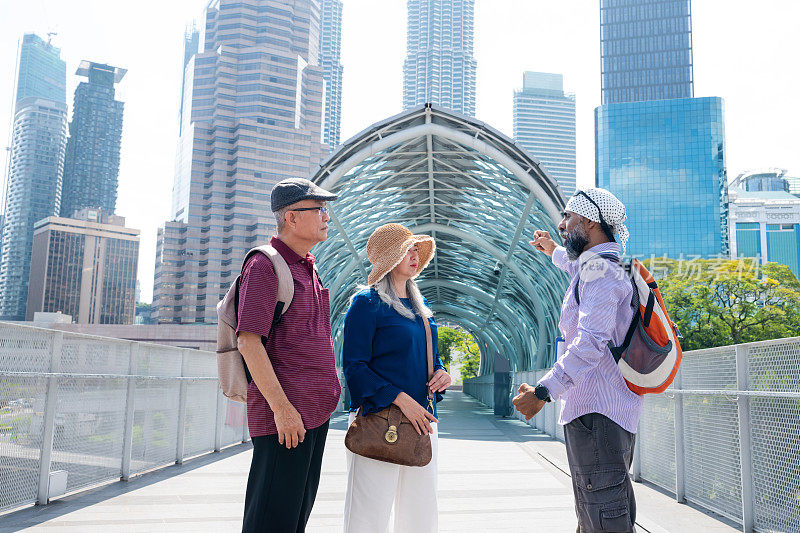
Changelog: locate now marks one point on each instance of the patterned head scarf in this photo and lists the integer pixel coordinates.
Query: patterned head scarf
(599, 205)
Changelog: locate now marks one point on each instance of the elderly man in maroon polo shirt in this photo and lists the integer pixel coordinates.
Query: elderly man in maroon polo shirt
(295, 388)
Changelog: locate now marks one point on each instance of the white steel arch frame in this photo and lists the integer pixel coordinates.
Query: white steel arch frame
(480, 196)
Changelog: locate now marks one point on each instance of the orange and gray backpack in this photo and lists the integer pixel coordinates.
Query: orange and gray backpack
(650, 355)
(234, 377)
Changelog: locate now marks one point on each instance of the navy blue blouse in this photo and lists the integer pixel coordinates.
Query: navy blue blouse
(384, 353)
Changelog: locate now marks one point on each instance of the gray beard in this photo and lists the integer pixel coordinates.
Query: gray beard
(575, 243)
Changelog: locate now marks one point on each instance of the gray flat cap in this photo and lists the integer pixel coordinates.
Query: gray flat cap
(293, 190)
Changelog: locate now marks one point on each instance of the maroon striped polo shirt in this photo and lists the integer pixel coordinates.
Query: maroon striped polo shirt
(300, 348)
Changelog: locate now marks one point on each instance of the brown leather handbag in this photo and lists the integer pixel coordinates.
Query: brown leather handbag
(388, 435)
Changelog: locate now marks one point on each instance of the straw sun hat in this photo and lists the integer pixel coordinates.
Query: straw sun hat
(389, 244)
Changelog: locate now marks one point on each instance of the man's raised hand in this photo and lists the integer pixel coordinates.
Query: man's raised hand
(542, 242)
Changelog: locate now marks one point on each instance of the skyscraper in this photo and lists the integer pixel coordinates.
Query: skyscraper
(665, 161)
(439, 67)
(191, 45)
(84, 266)
(252, 116)
(330, 53)
(544, 124)
(41, 72)
(646, 50)
(36, 164)
(659, 149)
(91, 166)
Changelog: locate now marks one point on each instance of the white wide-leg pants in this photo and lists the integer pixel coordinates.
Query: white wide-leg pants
(374, 487)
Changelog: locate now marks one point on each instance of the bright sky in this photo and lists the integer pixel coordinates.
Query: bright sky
(744, 52)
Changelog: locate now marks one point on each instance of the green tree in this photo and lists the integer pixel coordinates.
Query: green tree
(717, 302)
(470, 359)
(448, 339)
(454, 340)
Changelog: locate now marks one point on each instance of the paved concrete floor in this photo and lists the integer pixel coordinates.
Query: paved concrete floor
(494, 475)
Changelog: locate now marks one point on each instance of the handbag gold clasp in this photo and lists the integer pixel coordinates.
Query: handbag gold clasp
(391, 435)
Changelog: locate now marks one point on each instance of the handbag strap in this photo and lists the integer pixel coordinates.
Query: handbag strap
(429, 349)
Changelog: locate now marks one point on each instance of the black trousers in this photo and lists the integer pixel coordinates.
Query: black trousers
(599, 452)
(282, 484)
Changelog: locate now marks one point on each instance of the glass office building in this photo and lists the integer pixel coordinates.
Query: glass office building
(41, 71)
(84, 267)
(646, 50)
(330, 54)
(91, 166)
(544, 124)
(666, 161)
(439, 67)
(36, 165)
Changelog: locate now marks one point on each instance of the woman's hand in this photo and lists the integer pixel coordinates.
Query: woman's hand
(418, 415)
(440, 381)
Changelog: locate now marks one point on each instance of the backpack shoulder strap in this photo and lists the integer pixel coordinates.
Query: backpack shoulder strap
(617, 351)
(285, 279)
(611, 257)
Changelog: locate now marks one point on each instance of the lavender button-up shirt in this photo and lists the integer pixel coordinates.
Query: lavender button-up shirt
(586, 377)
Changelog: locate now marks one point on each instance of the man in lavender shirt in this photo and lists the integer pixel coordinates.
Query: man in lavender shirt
(600, 413)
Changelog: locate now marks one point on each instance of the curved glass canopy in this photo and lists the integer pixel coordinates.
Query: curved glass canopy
(481, 196)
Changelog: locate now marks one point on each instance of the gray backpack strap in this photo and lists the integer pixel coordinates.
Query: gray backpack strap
(234, 378)
(285, 279)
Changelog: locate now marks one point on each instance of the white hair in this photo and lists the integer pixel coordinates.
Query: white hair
(387, 294)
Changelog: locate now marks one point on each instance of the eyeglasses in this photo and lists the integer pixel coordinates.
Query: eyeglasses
(322, 210)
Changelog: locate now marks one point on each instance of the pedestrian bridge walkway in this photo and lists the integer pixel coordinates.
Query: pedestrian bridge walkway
(495, 474)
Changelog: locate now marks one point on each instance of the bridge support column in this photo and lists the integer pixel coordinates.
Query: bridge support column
(680, 452)
(502, 386)
(637, 457)
(219, 421)
(745, 444)
(130, 411)
(49, 420)
(180, 448)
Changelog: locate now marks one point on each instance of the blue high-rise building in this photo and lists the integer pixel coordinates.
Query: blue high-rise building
(36, 165)
(439, 67)
(91, 166)
(41, 72)
(666, 161)
(646, 50)
(544, 124)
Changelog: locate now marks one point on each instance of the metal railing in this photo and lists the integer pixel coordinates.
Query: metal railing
(79, 410)
(481, 388)
(725, 436)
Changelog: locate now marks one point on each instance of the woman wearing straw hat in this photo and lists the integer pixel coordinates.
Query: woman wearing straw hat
(385, 362)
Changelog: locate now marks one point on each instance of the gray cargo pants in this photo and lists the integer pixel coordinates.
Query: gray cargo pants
(599, 452)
